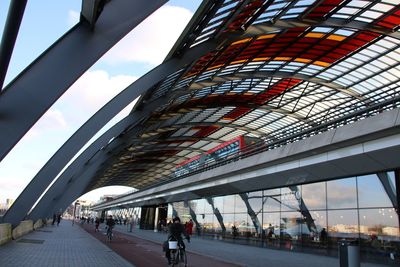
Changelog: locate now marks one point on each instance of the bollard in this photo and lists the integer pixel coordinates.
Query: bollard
(349, 253)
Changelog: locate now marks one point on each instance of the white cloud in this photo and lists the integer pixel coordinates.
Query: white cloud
(95, 195)
(73, 18)
(11, 187)
(151, 41)
(94, 89)
(52, 120)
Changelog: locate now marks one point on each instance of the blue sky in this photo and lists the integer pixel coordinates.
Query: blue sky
(141, 50)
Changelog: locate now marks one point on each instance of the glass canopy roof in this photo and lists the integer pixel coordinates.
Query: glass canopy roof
(283, 71)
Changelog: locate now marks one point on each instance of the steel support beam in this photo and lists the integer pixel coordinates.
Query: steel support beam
(45, 206)
(60, 159)
(52, 73)
(88, 162)
(10, 33)
(389, 187)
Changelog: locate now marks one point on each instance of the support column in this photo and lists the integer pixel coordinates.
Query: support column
(156, 219)
(397, 178)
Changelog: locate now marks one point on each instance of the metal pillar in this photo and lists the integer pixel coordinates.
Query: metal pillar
(10, 33)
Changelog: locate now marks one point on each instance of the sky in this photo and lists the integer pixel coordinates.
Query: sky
(140, 51)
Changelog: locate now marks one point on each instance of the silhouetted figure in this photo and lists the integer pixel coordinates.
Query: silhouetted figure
(58, 219)
(234, 231)
(323, 236)
(54, 219)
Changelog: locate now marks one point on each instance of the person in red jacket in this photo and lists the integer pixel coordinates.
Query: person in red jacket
(189, 227)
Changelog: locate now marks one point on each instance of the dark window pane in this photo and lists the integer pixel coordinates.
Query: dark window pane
(371, 192)
(314, 196)
(342, 193)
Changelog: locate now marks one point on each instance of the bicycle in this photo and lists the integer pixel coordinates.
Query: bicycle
(109, 234)
(178, 254)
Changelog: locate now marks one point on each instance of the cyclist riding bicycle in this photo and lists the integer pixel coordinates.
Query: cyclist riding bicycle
(175, 232)
(110, 225)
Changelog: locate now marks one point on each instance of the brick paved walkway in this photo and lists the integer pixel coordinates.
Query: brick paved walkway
(69, 245)
(62, 246)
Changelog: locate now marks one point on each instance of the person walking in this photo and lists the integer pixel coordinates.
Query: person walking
(58, 218)
(189, 227)
(97, 223)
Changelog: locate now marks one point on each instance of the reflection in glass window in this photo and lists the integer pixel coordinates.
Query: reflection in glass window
(252, 227)
(272, 200)
(207, 206)
(319, 218)
(219, 203)
(314, 196)
(244, 225)
(343, 224)
(197, 206)
(371, 192)
(230, 203)
(291, 225)
(342, 193)
(255, 201)
(180, 209)
(290, 198)
(382, 223)
(170, 210)
(241, 222)
(393, 179)
(208, 223)
(271, 221)
(229, 220)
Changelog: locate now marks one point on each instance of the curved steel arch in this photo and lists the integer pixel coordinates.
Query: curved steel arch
(53, 72)
(279, 74)
(265, 27)
(202, 123)
(60, 159)
(46, 205)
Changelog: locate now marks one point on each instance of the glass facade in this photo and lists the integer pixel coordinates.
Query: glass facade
(297, 217)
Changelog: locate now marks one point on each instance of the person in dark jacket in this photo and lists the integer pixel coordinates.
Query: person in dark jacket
(175, 232)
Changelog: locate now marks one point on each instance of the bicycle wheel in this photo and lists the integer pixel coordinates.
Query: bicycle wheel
(109, 236)
(174, 258)
(182, 258)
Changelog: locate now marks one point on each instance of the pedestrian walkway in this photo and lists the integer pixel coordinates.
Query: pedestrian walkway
(62, 246)
(147, 253)
(69, 245)
(243, 255)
